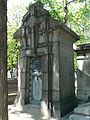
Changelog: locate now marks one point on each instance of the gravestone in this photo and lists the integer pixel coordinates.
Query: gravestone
(46, 64)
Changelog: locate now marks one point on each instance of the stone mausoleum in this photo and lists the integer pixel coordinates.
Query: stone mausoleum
(82, 112)
(83, 72)
(46, 65)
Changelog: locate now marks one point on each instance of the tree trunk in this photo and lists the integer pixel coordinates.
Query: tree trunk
(3, 61)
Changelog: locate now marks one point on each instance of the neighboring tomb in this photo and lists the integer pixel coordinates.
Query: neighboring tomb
(83, 72)
(46, 66)
(82, 112)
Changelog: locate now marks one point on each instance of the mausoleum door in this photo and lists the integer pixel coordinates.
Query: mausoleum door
(35, 80)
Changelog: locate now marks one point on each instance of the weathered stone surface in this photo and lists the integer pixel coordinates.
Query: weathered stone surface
(83, 95)
(27, 93)
(82, 112)
(55, 95)
(42, 50)
(55, 48)
(22, 64)
(45, 81)
(83, 109)
(56, 37)
(45, 64)
(67, 72)
(45, 95)
(42, 39)
(27, 83)
(55, 81)
(22, 93)
(79, 117)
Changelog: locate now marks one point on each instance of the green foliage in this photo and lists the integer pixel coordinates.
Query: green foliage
(15, 15)
(13, 48)
(56, 10)
(81, 1)
(78, 15)
(79, 22)
(14, 21)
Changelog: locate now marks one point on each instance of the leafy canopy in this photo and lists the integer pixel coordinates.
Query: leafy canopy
(77, 15)
(14, 21)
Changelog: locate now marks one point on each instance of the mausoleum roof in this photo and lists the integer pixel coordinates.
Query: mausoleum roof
(37, 11)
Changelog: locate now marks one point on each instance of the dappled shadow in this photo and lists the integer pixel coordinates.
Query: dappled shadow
(27, 112)
(30, 112)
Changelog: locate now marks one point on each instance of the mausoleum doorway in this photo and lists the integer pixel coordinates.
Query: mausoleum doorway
(35, 83)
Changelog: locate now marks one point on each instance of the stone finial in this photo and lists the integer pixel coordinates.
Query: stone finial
(37, 4)
(36, 10)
